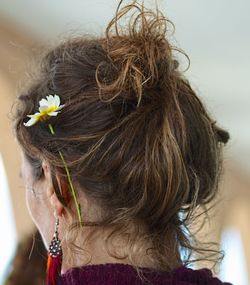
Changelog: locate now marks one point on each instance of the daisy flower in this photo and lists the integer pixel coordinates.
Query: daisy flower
(48, 107)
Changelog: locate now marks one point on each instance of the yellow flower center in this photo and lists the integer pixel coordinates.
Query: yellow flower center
(44, 115)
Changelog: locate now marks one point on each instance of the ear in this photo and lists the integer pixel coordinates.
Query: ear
(56, 205)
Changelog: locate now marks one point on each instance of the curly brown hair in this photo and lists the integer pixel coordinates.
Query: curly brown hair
(133, 132)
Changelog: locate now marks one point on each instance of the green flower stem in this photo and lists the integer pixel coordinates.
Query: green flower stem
(72, 189)
(73, 192)
(51, 129)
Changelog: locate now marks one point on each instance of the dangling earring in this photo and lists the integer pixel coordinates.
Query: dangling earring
(54, 263)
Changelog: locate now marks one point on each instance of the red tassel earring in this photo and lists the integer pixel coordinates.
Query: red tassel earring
(54, 263)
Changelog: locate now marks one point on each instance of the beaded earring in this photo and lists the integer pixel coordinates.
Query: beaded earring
(54, 263)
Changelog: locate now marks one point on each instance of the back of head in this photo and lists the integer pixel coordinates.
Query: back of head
(134, 134)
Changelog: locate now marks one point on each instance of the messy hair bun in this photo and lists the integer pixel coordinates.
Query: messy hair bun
(139, 52)
(133, 132)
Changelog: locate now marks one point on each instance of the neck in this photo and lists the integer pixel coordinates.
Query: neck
(96, 249)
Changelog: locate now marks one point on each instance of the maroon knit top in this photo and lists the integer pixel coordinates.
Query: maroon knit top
(125, 274)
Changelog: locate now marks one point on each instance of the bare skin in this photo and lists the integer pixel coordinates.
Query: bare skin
(44, 206)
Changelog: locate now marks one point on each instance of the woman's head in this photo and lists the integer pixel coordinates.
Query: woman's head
(138, 142)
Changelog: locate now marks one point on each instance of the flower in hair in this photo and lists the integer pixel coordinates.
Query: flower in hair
(47, 108)
(50, 107)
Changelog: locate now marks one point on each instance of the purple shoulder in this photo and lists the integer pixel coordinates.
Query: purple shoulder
(196, 277)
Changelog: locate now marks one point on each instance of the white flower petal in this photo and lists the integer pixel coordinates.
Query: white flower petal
(43, 102)
(60, 107)
(57, 100)
(43, 108)
(34, 115)
(31, 122)
(50, 100)
(53, 113)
